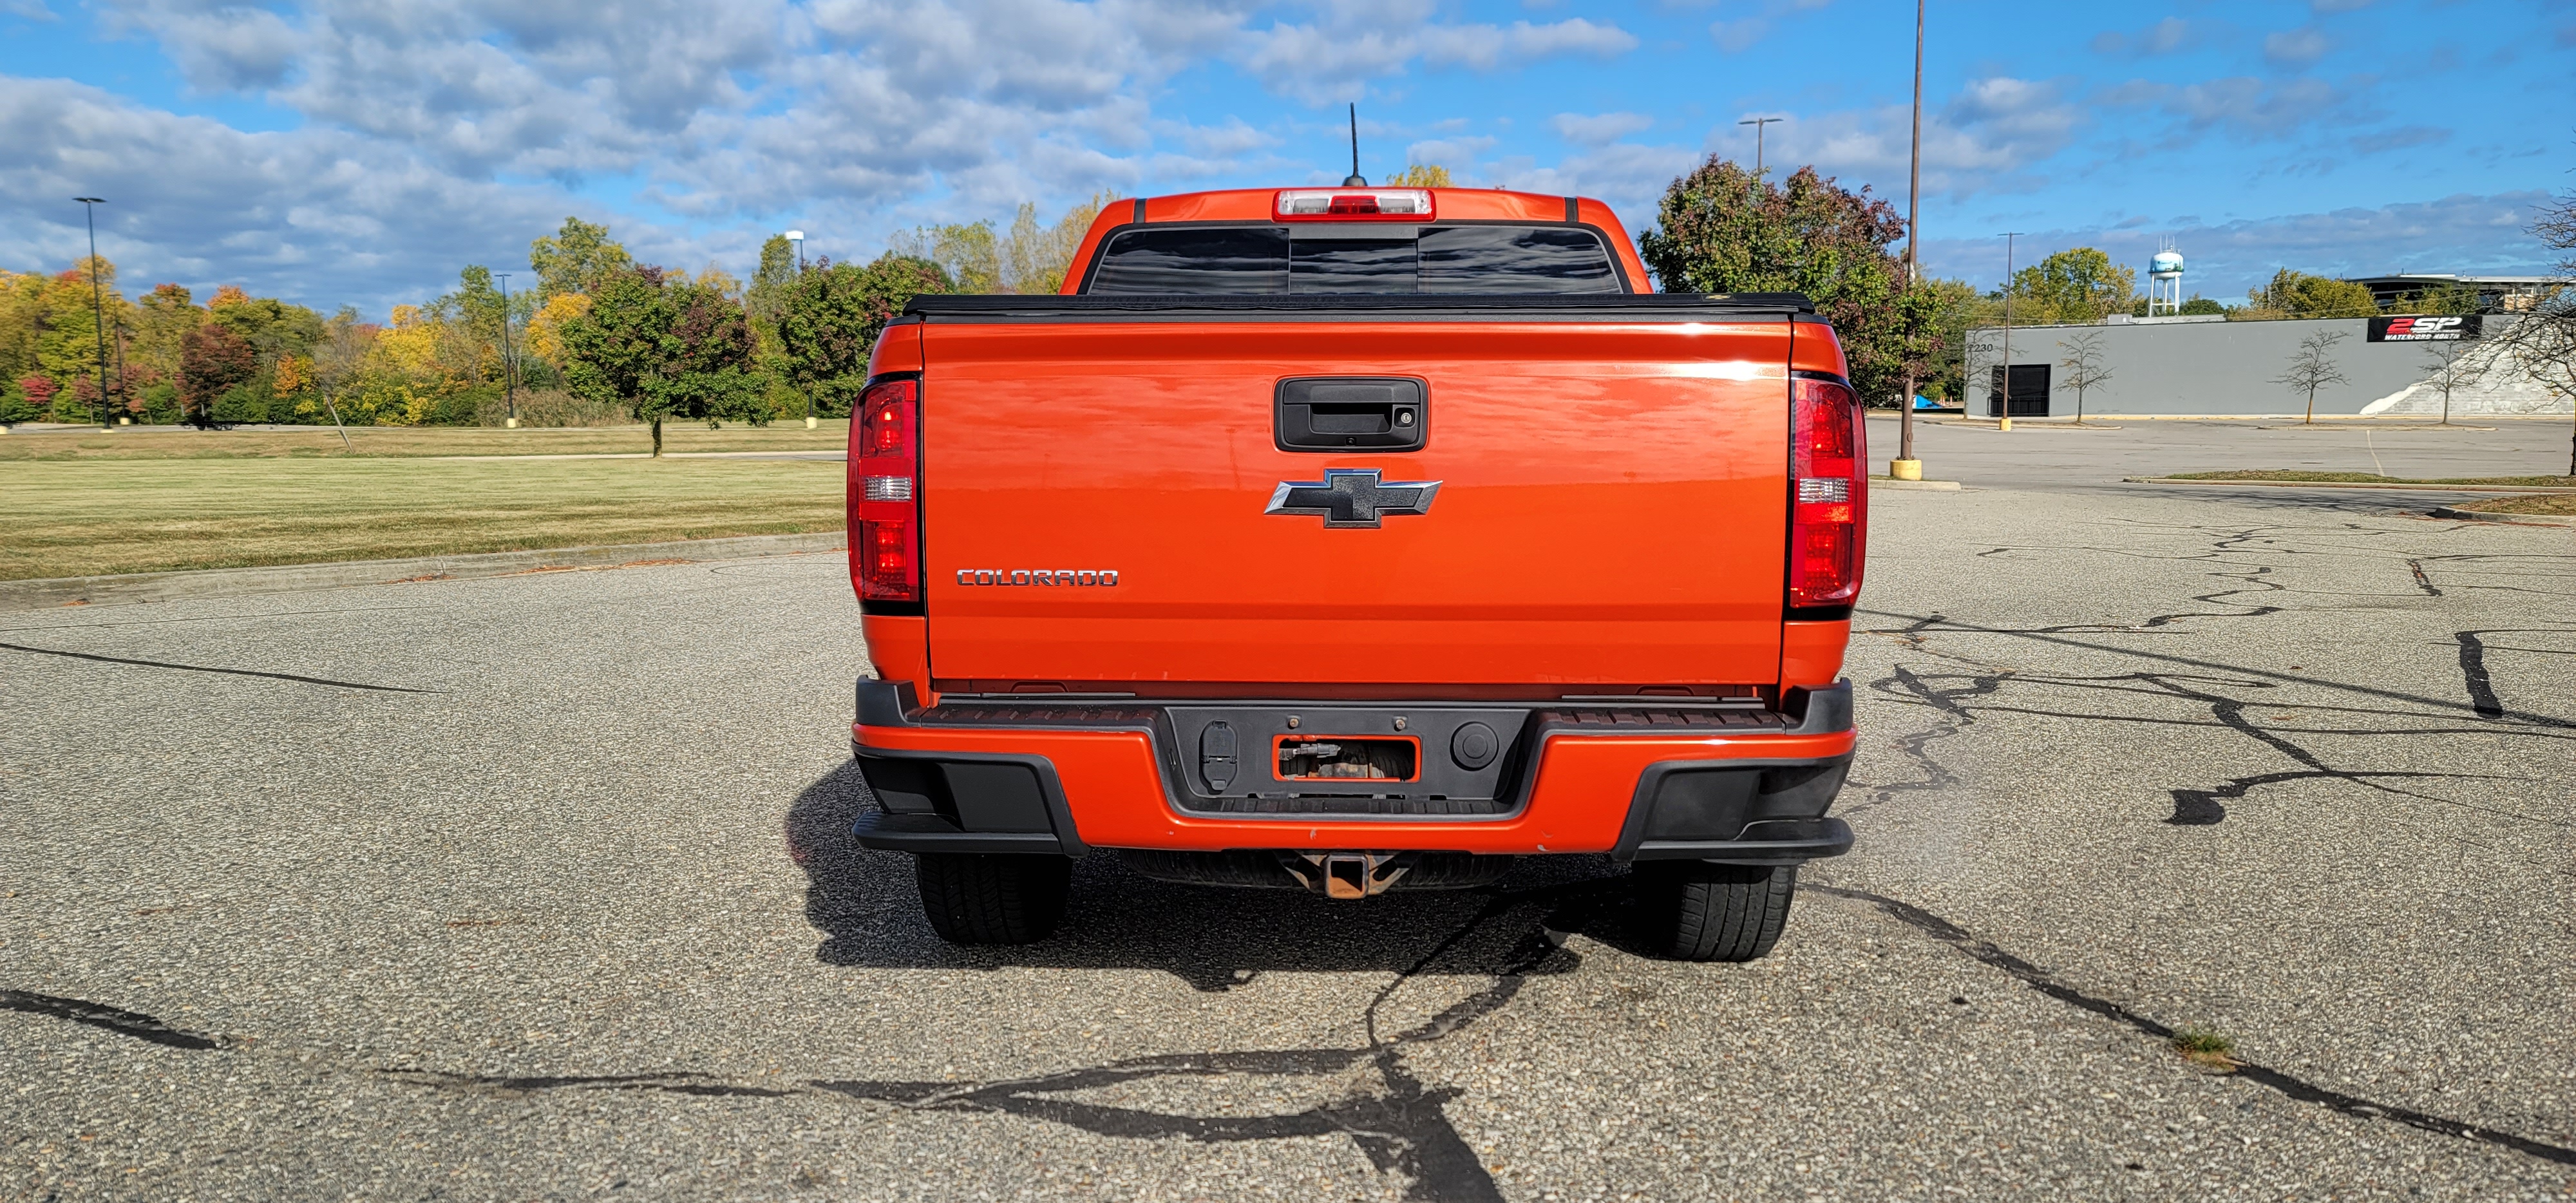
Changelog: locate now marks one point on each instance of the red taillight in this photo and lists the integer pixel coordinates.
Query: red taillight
(885, 493)
(1828, 493)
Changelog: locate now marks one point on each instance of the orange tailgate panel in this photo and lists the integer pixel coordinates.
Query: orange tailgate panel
(1611, 509)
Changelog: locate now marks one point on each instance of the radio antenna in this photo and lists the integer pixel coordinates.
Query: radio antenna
(1355, 181)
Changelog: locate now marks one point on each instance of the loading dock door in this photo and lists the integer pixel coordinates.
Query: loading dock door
(2029, 391)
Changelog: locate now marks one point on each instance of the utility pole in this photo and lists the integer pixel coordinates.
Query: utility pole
(2004, 413)
(1906, 466)
(509, 362)
(798, 237)
(1758, 123)
(98, 303)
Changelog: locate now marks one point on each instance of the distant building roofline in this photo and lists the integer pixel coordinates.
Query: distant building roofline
(2446, 278)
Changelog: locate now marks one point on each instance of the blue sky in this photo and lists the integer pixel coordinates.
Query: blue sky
(363, 152)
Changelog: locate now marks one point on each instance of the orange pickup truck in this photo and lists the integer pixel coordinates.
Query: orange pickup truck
(1355, 539)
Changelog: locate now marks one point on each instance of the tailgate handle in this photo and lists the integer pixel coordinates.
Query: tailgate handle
(1351, 413)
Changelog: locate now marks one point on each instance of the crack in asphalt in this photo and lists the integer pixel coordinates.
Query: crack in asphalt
(1931, 624)
(2422, 581)
(2287, 1084)
(1915, 747)
(99, 1015)
(2473, 668)
(1403, 1128)
(199, 668)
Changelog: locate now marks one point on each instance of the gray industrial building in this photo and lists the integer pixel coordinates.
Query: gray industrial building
(2215, 367)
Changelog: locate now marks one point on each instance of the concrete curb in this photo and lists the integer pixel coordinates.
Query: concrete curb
(2347, 484)
(292, 578)
(1929, 486)
(2444, 511)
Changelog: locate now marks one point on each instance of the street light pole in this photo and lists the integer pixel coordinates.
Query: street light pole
(1906, 466)
(798, 237)
(1758, 123)
(509, 363)
(2004, 414)
(98, 302)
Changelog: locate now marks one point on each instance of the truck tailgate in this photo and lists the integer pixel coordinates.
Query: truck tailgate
(1611, 505)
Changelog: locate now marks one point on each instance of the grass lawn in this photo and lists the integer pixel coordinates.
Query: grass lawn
(2365, 478)
(322, 442)
(127, 513)
(2539, 503)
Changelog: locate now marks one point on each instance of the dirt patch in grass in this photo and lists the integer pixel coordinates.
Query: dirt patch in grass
(2365, 478)
(94, 518)
(322, 442)
(2554, 504)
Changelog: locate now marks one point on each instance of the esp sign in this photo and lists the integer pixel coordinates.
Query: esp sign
(2423, 329)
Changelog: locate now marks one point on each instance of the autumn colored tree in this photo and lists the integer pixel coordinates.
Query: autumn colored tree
(834, 315)
(1721, 230)
(213, 359)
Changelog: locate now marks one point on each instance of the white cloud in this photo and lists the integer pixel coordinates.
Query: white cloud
(314, 215)
(2295, 47)
(1599, 128)
(1994, 134)
(2163, 37)
(1334, 58)
(1736, 37)
(2242, 104)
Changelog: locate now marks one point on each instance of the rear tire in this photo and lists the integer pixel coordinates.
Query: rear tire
(993, 898)
(1696, 911)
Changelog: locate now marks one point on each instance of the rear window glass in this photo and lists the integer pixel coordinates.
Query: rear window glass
(1506, 259)
(1207, 261)
(1269, 260)
(1351, 265)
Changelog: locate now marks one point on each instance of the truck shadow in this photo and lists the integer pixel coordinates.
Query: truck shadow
(867, 907)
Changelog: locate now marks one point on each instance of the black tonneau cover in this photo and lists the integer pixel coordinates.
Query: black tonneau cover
(1544, 307)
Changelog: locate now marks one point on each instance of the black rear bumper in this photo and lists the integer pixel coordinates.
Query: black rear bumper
(1748, 812)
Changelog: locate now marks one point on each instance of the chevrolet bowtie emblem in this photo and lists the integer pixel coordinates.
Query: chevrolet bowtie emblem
(1352, 497)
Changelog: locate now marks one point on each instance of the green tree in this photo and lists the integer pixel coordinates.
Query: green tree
(664, 350)
(617, 350)
(2200, 306)
(968, 254)
(2447, 300)
(2076, 286)
(711, 373)
(766, 297)
(577, 259)
(833, 316)
(1721, 230)
(2296, 294)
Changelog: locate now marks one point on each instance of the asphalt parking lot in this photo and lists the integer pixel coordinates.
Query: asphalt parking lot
(536, 887)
